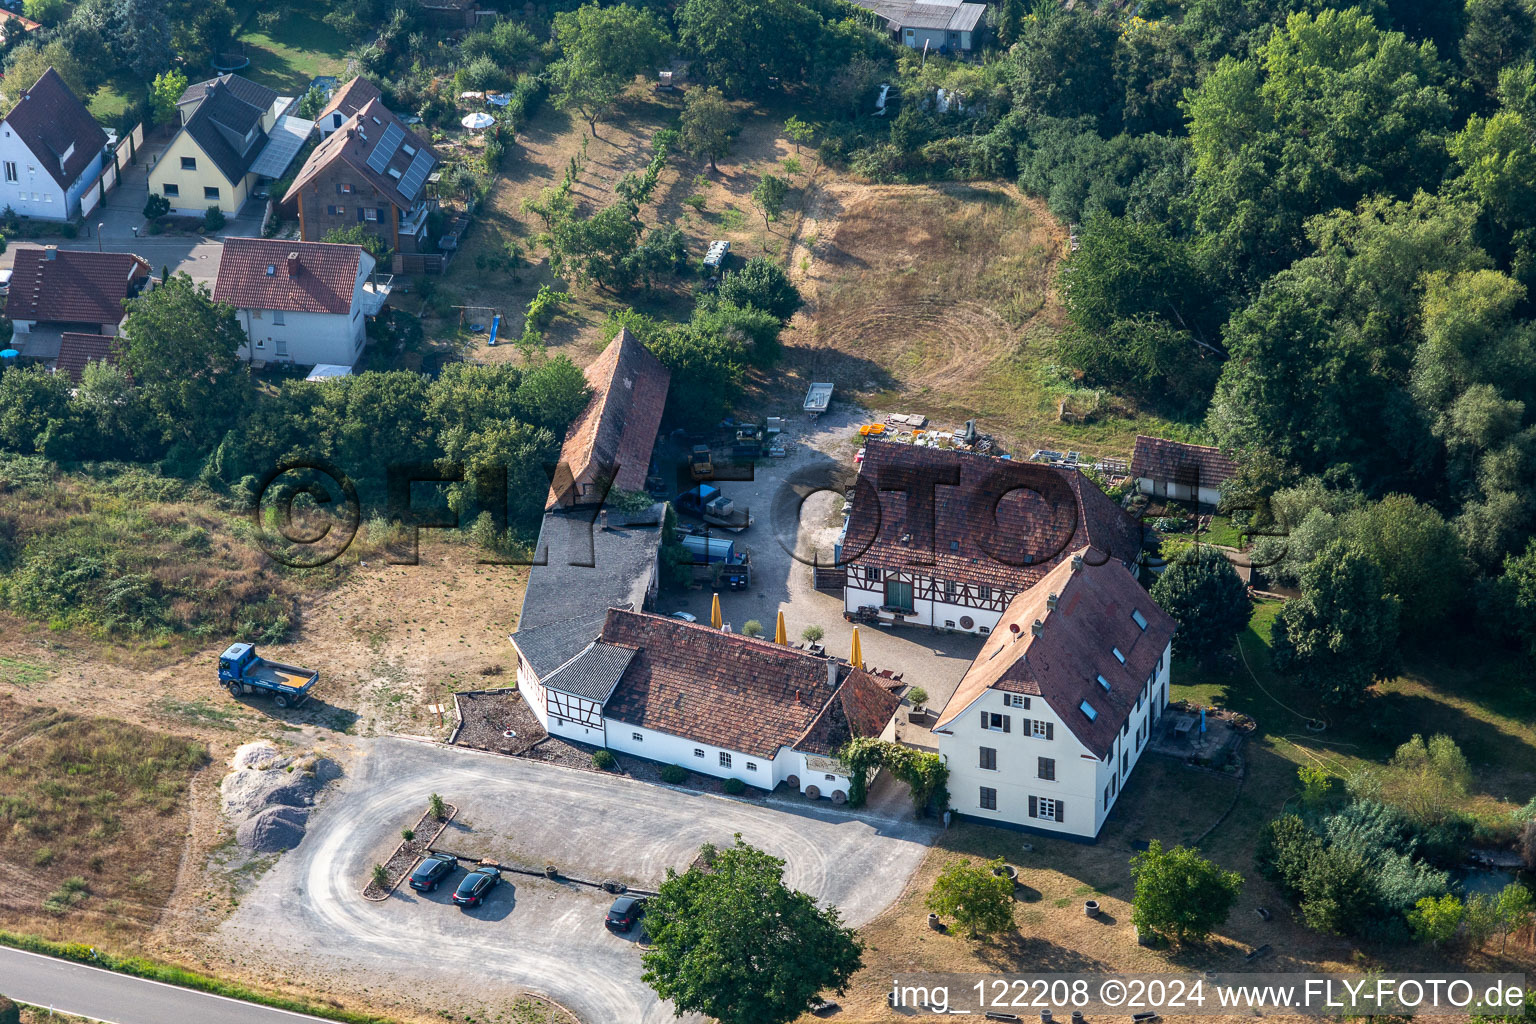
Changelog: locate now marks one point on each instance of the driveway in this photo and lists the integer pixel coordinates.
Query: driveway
(306, 914)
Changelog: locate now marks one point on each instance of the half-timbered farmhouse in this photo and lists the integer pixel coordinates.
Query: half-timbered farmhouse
(948, 539)
(1051, 718)
(718, 703)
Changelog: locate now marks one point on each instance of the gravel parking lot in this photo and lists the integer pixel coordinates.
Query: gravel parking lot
(307, 915)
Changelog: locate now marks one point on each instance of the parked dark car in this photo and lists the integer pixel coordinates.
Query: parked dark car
(432, 870)
(475, 886)
(625, 913)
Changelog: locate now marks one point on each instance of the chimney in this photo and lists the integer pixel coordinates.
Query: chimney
(1051, 601)
(50, 252)
(602, 520)
(1037, 629)
(831, 676)
(1077, 562)
(293, 264)
(797, 695)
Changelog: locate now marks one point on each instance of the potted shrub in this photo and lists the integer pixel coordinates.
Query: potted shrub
(918, 698)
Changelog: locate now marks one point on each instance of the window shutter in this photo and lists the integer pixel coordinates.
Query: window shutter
(1061, 811)
(359, 214)
(1006, 720)
(338, 188)
(1050, 730)
(1032, 806)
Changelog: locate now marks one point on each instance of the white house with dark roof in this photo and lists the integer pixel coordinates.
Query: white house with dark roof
(943, 26)
(1053, 715)
(51, 151)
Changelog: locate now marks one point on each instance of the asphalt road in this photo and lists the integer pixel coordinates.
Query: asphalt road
(118, 998)
(532, 934)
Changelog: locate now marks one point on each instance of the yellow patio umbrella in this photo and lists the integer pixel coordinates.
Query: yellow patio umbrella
(780, 637)
(714, 612)
(857, 658)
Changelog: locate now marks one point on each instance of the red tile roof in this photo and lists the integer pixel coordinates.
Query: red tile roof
(350, 98)
(357, 141)
(1193, 465)
(57, 128)
(731, 691)
(976, 519)
(618, 426)
(300, 277)
(860, 707)
(1077, 638)
(77, 350)
(75, 286)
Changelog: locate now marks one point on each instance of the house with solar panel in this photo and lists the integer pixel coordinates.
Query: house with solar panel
(371, 171)
(234, 134)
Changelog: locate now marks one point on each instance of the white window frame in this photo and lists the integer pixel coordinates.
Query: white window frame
(725, 759)
(638, 737)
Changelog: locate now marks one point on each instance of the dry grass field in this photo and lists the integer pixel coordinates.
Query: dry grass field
(92, 821)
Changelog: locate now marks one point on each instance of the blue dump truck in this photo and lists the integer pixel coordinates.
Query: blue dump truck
(241, 671)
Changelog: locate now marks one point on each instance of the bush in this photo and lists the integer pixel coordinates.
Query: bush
(380, 877)
(735, 787)
(604, 760)
(436, 807)
(213, 220)
(674, 775)
(975, 896)
(1179, 894)
(407, 834)
(10, 1013)
(752, 628)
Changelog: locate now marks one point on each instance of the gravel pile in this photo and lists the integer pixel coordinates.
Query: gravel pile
(269, 793)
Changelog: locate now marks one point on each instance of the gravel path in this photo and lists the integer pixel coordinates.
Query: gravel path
(306, 914)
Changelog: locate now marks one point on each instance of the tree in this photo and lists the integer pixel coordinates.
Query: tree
(1426, 781)
(1206, 598)
(1064, 62)
(762, 284)
(164, 91)
(768, 196)
(10, 1013)
(181, 350)
(1480, 918)
(708, 124)
(1435, 920)
(30, 398)
(26, 64)
(1515, 907)
(798, 131)
(141, 35)
(1179, 894)
(1341, 634)
(48, 12)
(739, 45)
(603, 49)
(707, 374)
(976, 896)
(358, 234)
(733, 942)
(1420, 556)
(1498, 33)
(1509, 600)
(597, 248)
(552, 392)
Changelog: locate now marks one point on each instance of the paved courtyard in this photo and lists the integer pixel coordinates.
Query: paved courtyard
(307, 915)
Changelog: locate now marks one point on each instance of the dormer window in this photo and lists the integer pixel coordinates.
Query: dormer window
(1139, 619)
(1118, 656)
(1088, 710)
(408, 149)
(1104, 683)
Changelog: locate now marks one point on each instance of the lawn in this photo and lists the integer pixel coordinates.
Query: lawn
(1483, 706)
(296, 51)
(89, 808)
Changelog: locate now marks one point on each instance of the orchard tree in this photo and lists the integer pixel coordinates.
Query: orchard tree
(181, 350)
(769, 197)
(799, 132)
(603, 49)
(1180, 894)
(739, 45)
(733, 942)
(975, 896)
(1341, 633)
(708, 124)
(1206, 597)
(761, 283)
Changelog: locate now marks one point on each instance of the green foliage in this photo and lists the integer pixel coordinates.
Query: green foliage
(1508, 603)
(674, 775)
(1498, 33)
(1208, 600)
(380, 876)
(752, 628)
(768, 196)
(213, 219)
(733, 787)
(799, 132)
(1435, 920)
(734, 943)
(918, 697)
(812, 634)
(1420, 555)
(164, 91)
(1341, 634)
(1179, 894)
(762, 284)
(975, 896)
(926, 775)
(46, 11)
(1428, 782)
(708, 122)
(181, 350)
(739, 45)
(706, 374)
(604, 761)
(603, 49)
(156, 206)
(596, 249)
(437, 808)
(1316, 783)
(358, 234)
(544, 307)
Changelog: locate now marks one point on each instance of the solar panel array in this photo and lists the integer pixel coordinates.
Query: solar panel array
(384, 152)
(416, 175)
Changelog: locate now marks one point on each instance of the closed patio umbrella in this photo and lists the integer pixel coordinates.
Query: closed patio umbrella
(779, 636)
(714, 612)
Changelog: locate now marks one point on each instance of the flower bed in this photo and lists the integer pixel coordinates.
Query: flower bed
(408, 853)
